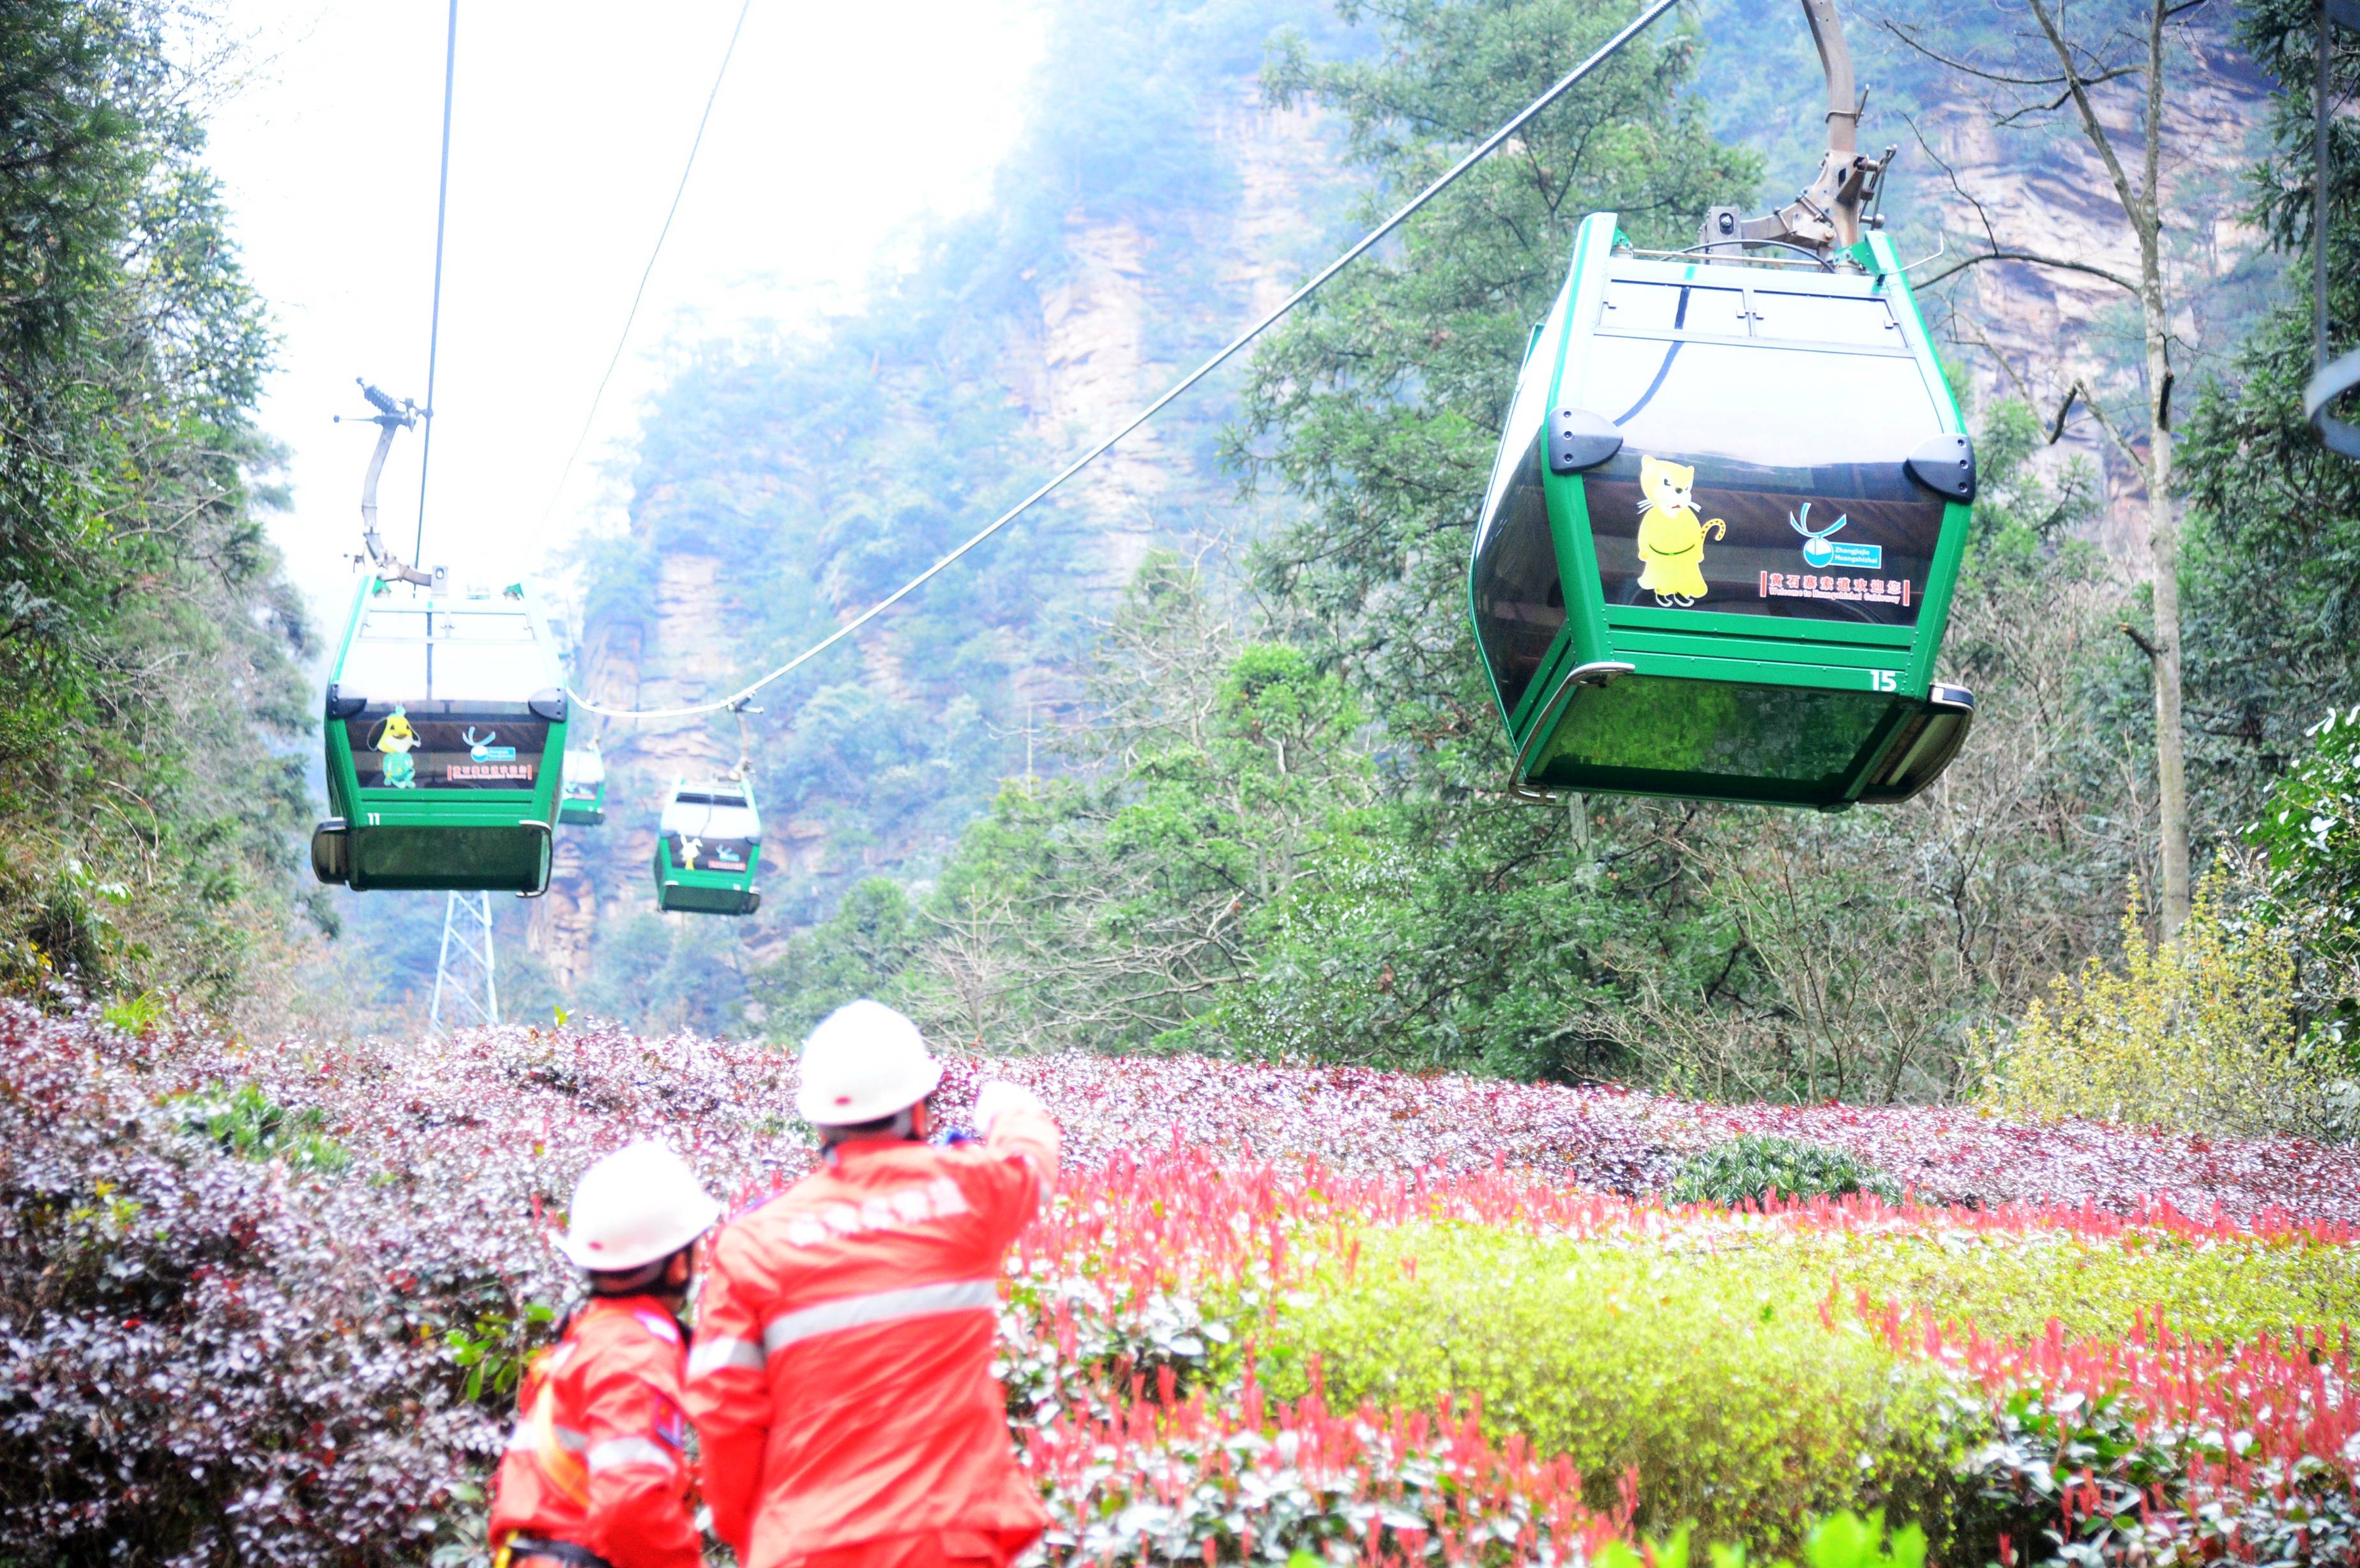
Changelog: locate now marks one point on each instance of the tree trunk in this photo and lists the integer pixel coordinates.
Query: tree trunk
(2163, 547)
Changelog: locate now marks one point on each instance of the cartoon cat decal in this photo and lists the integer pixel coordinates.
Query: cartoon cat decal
(1671, 539)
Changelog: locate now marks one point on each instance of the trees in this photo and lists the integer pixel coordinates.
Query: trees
(1380, 404)
(2274, 516)
(2032, 78)
(146, 806)
(1183, 886)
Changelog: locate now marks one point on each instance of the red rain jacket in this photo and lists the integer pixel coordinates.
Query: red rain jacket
(596, 1458)
(842, 1383)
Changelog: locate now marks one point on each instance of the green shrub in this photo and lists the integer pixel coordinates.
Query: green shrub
(1710, 1372)
(2309, 832)
(1841, 1540)
(136, 1015)
(2198, 1034)
(1755, 1167)
(2010, 1284)
(249, 1124)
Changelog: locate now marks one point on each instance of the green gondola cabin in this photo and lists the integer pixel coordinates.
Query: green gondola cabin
(1716, 555)
(583, 803)
(445, 735)
(708, 849)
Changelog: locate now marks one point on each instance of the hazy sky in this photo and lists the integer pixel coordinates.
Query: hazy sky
(837, 127)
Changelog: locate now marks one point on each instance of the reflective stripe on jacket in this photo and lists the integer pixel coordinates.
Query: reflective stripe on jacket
(841, 1382)
(597, 1459)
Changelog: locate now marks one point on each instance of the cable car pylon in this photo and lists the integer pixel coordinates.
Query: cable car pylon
(463, 970)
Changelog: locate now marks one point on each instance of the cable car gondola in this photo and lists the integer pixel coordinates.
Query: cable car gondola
(708, 847)
(583, 802)
(445, 728)
(1717, 551)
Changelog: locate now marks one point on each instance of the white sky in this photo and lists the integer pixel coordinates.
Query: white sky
(837, 127)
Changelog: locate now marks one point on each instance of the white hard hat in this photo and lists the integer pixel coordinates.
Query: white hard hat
(864, 1062)
(639, 1203)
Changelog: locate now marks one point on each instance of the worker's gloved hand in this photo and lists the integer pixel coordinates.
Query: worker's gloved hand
(997, 1097)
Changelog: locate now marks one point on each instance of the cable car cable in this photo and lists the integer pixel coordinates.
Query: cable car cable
(435, 315)
(648, 271)
(1360, 247)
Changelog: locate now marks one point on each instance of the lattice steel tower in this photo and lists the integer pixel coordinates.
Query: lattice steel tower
(464, 972)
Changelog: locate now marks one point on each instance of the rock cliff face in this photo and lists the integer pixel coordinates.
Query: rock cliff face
(666, 658)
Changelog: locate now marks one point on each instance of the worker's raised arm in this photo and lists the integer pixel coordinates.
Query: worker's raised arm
(1020, 1145)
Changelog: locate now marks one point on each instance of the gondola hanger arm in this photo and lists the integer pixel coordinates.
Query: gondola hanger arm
(390, 418)
(1831, 212)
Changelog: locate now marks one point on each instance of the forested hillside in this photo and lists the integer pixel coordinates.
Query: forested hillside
(151, 712)
(1214, 718)
(1197, 756)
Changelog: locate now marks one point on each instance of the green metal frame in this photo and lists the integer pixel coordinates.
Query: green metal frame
(706, 892)
(1600, 644)
(465, 840)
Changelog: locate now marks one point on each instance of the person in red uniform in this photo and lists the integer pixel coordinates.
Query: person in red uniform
(596, 1471)
(841, 1382)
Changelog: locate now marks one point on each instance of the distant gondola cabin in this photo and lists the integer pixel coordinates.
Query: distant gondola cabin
(708, 848)
(583, 802)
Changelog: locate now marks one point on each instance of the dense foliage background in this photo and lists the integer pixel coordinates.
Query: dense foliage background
(149, 798)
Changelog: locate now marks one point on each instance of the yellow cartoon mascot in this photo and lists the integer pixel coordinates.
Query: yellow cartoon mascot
(397, 739)
(1671, 539)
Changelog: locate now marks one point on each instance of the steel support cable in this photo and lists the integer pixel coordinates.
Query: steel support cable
(434, 311)
(631, 315)
(1489, 144)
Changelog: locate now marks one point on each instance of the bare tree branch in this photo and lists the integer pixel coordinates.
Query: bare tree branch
(2136, 206)
(2105, 423)
(2036, 258)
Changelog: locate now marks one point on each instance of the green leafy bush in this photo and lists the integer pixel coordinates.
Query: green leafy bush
(1711, 1373)
(1755, 1167)
(2310, 832)
(1842, 1540)
(250, 1124)
(2197, 1034)
(2013, 1283)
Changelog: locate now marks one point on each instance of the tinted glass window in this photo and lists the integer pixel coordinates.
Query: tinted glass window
(1519, 603)
(1672, 307)
(703, 852)
(1779, 407)
(585, 769)
(711, 815)
(1700, 730)
(438, 745)
(1822, 318)
(1762, 480)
